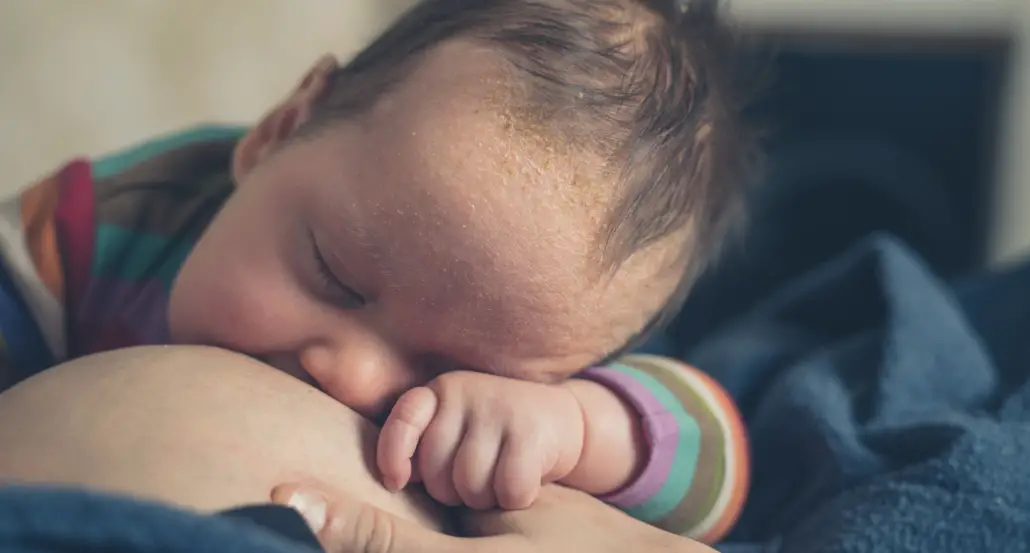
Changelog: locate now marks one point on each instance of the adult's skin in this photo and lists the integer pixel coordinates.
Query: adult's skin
(199, 428)
(206, 429)
(561, 521)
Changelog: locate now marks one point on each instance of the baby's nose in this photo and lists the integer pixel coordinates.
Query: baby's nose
(368, 380)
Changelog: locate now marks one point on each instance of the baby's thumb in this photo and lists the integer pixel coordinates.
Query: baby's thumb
(347, 525)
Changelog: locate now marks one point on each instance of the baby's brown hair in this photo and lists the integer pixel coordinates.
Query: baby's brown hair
(651, 86)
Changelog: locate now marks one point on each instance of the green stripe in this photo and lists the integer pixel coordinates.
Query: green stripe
(699, 503)
(138, 256)
(688, 447)
(112, 164)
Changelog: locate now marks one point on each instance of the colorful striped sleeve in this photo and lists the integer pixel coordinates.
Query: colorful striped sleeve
(88, 252)
(128, 227)
(695, 480)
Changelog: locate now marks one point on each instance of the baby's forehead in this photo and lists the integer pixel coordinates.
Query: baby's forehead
(463, 106)
(482, 204)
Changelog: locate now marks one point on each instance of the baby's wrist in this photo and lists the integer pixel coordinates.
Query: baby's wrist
(613, 449)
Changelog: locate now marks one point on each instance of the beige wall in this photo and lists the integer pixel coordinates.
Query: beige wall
(89, 76)
(1011, 221)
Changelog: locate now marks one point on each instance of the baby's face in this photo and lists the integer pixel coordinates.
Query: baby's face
(426, 238)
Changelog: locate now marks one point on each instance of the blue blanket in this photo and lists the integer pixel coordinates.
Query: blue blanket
(889, 411)
(43, 520)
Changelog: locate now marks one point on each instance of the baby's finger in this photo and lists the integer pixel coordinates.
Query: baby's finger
(517, 480)
(436, 455)
(400, 436)
(474, 467)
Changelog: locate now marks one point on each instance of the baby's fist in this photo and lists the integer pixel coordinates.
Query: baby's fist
(481, 440)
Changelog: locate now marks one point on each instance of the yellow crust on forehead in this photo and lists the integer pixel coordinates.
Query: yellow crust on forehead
(550, 162)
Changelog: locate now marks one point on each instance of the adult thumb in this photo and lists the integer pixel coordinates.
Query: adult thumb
(347, 525)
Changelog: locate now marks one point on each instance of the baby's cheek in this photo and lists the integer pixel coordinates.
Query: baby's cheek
(196, 318)
(223, 312)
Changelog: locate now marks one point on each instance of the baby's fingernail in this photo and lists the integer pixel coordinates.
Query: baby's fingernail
(312, 506)
(392, 484)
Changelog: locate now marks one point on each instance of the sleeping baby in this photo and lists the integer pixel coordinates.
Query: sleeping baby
(458, 234)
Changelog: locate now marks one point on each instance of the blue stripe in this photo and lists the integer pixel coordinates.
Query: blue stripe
(106, 166)
(27, 351)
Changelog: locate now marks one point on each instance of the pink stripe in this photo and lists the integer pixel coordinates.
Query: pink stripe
(74, 220)
(660, 430)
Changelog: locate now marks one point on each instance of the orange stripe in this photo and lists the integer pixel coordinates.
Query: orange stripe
(742, 476)
(38, 205)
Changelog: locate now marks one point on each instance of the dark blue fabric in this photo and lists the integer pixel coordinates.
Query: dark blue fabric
(888, 410)
(280, 520)
(40, 520)
(22, 341)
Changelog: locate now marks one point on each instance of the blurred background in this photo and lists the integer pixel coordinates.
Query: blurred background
(906, 115)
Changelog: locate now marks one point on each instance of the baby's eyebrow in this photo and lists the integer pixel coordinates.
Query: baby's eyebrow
(363, 239)
(342, 221)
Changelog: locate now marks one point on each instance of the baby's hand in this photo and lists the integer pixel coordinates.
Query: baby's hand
(482, 440)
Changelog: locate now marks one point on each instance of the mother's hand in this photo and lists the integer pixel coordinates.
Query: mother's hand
(561, 521)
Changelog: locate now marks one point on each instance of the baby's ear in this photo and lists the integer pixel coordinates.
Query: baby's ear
(282, 121)
(312, 87)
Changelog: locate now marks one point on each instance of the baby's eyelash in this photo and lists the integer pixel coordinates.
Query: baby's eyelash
(342, 293)
(328, 279)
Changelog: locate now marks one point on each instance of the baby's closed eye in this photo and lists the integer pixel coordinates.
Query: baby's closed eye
(337, 291)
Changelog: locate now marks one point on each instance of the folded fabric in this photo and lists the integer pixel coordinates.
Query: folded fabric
(888, 410)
